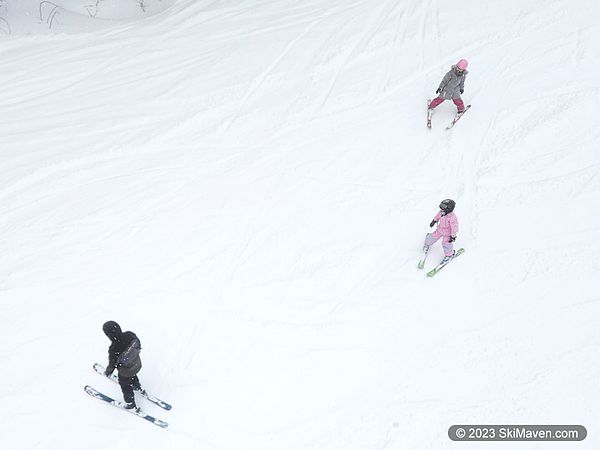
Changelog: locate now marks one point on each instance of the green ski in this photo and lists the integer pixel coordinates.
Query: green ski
(440, 266)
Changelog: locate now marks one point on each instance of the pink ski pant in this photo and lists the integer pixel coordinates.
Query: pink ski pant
(457, 101)
(432, 238)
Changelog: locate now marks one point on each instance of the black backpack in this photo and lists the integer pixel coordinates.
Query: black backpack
(130, 355)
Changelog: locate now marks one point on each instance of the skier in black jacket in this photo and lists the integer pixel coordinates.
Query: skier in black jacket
(124, 355)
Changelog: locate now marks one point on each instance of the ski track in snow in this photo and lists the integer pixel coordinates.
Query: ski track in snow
(247, 184)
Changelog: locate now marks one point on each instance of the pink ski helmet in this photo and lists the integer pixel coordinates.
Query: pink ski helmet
(462, 64)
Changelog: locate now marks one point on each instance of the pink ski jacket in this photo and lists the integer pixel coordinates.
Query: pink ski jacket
(447, 224)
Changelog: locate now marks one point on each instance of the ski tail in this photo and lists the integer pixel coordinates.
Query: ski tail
(422, 261)
(428, 114)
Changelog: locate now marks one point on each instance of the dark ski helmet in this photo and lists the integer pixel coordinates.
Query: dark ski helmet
(447, 206)
(112, 330)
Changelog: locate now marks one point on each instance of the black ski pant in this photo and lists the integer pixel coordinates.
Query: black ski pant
(128, 385)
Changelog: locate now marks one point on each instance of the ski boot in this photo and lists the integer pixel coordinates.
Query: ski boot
(139, 389)
(448, 258)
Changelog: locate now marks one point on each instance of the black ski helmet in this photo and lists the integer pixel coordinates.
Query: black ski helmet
(112, 330)
(447, 206)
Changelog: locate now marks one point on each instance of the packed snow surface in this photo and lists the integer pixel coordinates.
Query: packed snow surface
(247, 185)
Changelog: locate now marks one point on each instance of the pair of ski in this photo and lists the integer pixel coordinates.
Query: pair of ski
(441, 265)
(456, 119)
(136, 411)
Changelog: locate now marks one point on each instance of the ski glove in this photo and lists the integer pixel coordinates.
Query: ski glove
(462, 91)
(432, 224)
(452, 239)
(438, 91)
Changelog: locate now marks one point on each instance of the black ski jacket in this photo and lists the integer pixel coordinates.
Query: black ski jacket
(120, 342)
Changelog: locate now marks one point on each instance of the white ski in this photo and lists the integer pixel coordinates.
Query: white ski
(135, 411)
(457, 118)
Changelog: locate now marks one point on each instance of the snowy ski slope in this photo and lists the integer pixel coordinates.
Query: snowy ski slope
(247, 184)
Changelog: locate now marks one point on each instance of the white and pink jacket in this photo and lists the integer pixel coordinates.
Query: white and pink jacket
(447, 224)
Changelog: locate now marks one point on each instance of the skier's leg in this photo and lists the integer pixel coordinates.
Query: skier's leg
(126, 384)
(460, 105)
(435, 102)
(431, 239)
(135, 382)
(447, 246)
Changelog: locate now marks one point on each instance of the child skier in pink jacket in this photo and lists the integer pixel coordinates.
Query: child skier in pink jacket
(447, 229)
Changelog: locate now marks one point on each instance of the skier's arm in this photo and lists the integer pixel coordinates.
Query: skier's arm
(445, 81)
(436, 219)
(462, 84)
(112, 362)
(139, 342)
(454, 227)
